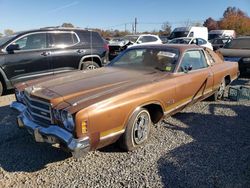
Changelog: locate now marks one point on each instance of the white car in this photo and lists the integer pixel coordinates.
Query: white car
(143, 39)
(192, 40)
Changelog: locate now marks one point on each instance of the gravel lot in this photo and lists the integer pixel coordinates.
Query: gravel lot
(206, 145)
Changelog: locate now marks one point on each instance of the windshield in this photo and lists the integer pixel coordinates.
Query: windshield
(5, 39)
(162, 59)
(213, 36)
(180, 41)
(132, 38)
(177, 34)
(240, 43)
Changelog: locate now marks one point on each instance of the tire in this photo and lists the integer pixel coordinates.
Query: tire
(1, 88)
(137, 130)
(89, 65)
(219, 94)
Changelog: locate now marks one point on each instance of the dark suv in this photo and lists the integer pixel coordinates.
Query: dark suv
(31, 54)
(238, 50)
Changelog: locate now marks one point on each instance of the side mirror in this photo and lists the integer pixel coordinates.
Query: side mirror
(11, 48)
(139, 42)
(187, 68)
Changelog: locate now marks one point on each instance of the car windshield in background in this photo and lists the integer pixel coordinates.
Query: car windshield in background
(213, 36)
(180, 41)
(220, 41)
(178, 34)
(5, 39)
(144, 58)
(131, 38)
(240, 43)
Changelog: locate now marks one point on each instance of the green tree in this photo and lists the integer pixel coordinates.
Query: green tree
(8, 32)
(67, 25)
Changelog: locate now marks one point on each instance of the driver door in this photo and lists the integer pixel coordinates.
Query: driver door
(195, 78)
(30, 60)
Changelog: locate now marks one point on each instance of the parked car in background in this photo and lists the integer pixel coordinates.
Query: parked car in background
(238, 50)
(116, 45)
(221, 34)
(218, 43)
(86, 110)
(131, 40)
(164, 39)
(197, 32)
(192, 40)
(46, 51)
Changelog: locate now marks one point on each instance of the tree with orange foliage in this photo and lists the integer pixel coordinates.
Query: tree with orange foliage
(236, 19)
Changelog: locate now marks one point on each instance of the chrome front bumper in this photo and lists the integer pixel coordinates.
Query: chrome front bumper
(51, 134)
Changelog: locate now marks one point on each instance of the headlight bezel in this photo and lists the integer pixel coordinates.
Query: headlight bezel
(19, 95)
(65, 118)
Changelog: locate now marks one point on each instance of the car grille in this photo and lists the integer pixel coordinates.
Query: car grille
(39, 111)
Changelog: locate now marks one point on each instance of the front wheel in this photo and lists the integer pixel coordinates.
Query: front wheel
(137, 130)
(89, 65)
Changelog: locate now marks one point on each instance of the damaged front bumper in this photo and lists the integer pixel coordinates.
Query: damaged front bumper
(51, 134)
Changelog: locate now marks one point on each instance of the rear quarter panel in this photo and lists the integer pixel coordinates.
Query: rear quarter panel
(221, 69)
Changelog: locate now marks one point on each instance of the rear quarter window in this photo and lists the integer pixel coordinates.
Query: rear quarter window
(63, 39)
(87, 37)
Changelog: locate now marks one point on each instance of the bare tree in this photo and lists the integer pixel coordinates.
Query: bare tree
(166, 28)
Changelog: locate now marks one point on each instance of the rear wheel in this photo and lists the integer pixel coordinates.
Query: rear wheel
(1, 88)
(137, 130)
(219, 94)
(89, 65)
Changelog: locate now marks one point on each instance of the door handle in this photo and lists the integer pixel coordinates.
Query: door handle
(45, 53)
(209, 75)
(80, 51)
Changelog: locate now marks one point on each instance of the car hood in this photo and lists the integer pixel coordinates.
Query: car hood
(91, 86)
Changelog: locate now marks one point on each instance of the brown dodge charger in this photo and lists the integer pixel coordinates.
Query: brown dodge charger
(87, 110)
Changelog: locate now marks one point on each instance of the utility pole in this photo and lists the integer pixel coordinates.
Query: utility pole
(135, 24)
(125, 27)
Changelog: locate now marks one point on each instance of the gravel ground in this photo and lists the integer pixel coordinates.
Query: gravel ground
(206, 145)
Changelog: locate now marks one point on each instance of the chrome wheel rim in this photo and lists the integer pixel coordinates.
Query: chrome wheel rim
(91, 67)
(141, 127)
(221, 90)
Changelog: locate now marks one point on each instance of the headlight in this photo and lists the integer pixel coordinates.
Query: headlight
(57, 114)
(19, 95)
(67, 120)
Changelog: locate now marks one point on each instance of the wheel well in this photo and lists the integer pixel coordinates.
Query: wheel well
(95, 59)
(227, 80)
(155, 111)
(2, 80)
